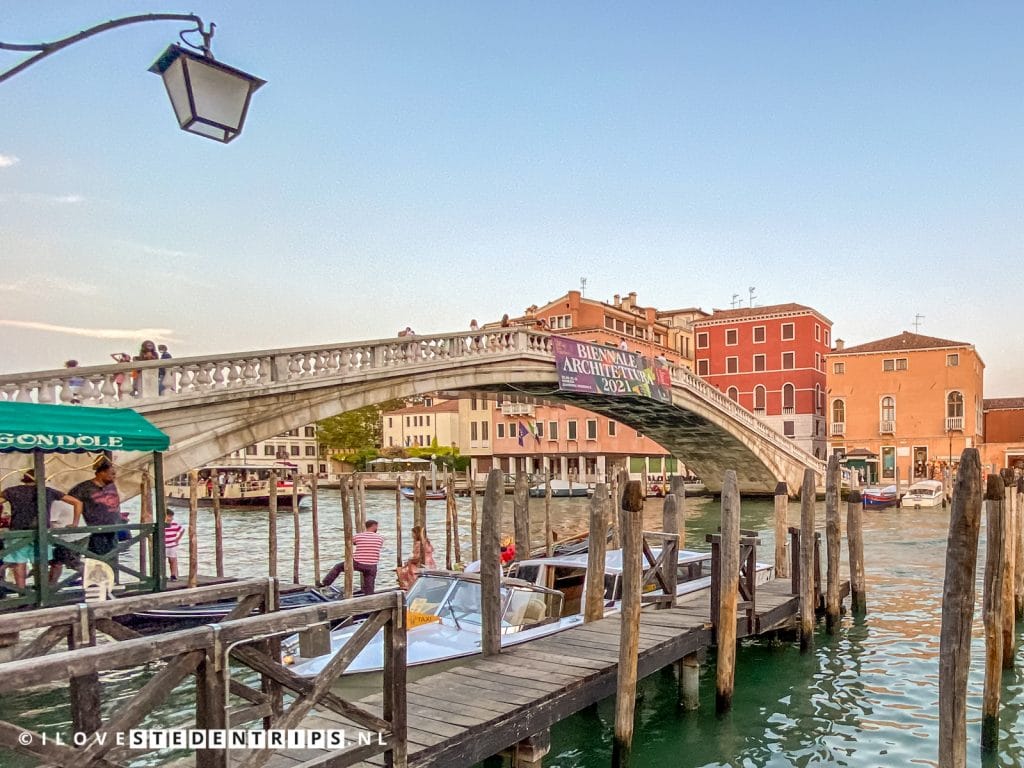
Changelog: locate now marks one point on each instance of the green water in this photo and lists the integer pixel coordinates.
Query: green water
(866, 697)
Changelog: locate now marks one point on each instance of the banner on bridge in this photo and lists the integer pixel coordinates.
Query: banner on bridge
(585, 367)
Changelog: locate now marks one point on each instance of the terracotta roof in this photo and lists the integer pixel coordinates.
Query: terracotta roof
(904, 341)
(749, 312)
(448, 406)
(1002, 403)
(861, 453)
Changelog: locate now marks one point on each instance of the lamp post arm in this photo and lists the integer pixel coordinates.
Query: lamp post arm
(45, 49)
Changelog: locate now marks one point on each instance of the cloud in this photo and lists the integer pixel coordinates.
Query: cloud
(162, 253)
(34, 197)
(45, 284)
(6, 161)
(130, 334)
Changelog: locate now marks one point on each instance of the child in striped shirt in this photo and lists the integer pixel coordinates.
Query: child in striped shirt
(172, 536)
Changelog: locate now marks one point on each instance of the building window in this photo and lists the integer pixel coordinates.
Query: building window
(759, 334)
(428, 420)
(901, 363)
(759, 362)
(472, 403)
(570, 429)
(732, 337)
(819, 404)
(310, 431)
(501, 430)
(894, 364)
(760, 398)
(817, 361)
(390, 424)
(817, 332)
(311, 450)
(269, 450)
(954, 405)
(839, 368)
(953, 360)
(788, 360)
(702, 367)
(611, 428)
(888, 409)
(250, 450)
(540, 429)
(827, 341)
(788, 331)
(733, 394)
(788, 399)
(732, 365)
(473, 431)
(293, 450)
(591, 429)
(552, 430)
(789, 428)
(888, 461)
(838, 412)
(702, 340)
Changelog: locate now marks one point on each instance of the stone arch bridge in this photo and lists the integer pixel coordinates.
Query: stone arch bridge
(213, 405)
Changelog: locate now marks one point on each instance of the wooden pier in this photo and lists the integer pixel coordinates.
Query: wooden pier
(462, 716)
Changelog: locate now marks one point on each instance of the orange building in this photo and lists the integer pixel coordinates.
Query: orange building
(1004, 434)
(910, 402)
(569, 440)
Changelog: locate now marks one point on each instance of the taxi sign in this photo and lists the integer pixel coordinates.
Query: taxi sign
(416, 619)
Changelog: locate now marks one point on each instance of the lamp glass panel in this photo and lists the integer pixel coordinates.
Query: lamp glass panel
(174, 81)
(211, 131)
(220, 97)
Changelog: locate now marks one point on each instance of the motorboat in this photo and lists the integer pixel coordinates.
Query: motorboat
(561, 489)
(410, 493)
(239, 485)
(543, 596)
(924, 493)
(880, 497)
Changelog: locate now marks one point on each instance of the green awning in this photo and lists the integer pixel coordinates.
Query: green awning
(26, 427)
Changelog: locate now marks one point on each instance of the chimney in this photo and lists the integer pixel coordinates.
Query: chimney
(615, 300)
(839, 345)
(632, 299)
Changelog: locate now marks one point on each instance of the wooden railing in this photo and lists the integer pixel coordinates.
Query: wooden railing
(660, 570)
(747, 602)
(794, 563)
(207, 653)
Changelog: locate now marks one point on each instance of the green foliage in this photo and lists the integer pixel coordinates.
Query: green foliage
(359, 459)
(355, 430)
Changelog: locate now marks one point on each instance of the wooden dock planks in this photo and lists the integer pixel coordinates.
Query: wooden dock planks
(461, 716)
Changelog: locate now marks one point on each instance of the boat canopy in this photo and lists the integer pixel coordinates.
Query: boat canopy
(28, 427)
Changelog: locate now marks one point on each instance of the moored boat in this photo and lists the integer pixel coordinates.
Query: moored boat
(410, 493)
(879, 497)
(561, 489)
(239, 485)
(924, 493)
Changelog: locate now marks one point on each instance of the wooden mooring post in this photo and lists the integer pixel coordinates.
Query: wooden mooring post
(958, 611)
(1018, 571)
(193, 523)
(490, 564)
(855, 546)
(453, 516)
(615, 506)
(346, 523)
(146, 516)
(629, 637)
(729, 580)
(807, 564)
(218, 532)
(677, 487)
(473, 522)
(419, 502)
(599, 502)
(670, 525)
(296, 530)
(995, 573)
(272, 523)
(781, 527)
(549, 537)
(832, 545)
(521, 515)
(1009, 575)
(315, 520)
(398, 522)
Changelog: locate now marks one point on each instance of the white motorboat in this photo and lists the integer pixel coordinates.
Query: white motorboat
(444, 614)
(561, 489)
(924, 493)
(245, 484)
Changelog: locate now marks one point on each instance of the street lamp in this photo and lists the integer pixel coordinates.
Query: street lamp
(209, 98)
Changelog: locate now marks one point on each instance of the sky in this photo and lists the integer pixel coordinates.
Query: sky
(424, 164)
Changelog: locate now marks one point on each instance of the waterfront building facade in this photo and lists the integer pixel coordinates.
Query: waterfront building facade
(770, 360)
(420, 425)
(1004, 434)
(910, 402)
(297, 446)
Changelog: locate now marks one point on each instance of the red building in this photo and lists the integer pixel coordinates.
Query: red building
(771, 360)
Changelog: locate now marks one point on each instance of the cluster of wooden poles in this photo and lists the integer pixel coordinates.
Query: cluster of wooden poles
(1002, 604)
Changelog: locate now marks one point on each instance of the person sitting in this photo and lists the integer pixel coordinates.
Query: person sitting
(508, 550)
(422, 558)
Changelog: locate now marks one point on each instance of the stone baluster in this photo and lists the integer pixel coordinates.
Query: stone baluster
(25, 391)
(266, 370)
(294, 367)
(108, 389)
(48, 391)
(219, 379)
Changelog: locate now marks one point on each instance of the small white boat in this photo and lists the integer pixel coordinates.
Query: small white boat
(561, 489)
(924, 493)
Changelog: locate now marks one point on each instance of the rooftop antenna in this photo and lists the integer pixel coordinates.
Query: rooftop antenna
(917, 321)
(583, 286)
(736, 300)
(750, 303)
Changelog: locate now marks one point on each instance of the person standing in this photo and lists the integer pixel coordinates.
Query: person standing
(24, 517)
(172, 537)
(164, 355)
(422, 558)
(101, 505)
(75, 383)
(147, 351)
(365, 559)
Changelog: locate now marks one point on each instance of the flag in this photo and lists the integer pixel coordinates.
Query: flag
(523, 432)
(533, 430)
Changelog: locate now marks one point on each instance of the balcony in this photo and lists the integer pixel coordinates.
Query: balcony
(788, 410)
(516, 409)
(954, 423)
(760, 412)
(838, 428)
(887, 427)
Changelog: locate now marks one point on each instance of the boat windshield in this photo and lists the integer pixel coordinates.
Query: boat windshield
(428, 594)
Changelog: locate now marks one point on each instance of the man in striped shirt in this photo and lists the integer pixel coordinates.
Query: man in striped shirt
(365, 558)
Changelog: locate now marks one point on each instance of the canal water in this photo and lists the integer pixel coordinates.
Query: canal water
(865, 697)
